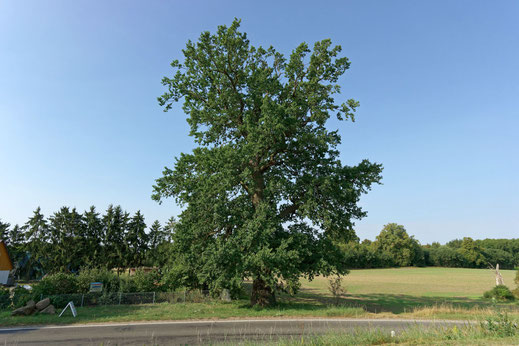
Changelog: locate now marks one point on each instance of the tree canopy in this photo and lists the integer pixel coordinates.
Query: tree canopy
(404, 250)
(265, 193)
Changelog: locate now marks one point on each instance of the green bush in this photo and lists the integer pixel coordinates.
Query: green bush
(127, 284)
(111, 282)
(500, 292)
(108, 298)
(21, 297)
(59, 283)
(500, 325)
(5, 300)
(61, 300)
(143, 281)
(148, 281)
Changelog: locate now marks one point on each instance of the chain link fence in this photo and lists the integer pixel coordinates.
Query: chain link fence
(120, 298)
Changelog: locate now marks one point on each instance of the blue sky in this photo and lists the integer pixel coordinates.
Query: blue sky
(438, 84)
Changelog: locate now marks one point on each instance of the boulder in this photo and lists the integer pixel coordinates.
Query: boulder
(27, 310)
(19, 312)
(49, 310)
(42, 304)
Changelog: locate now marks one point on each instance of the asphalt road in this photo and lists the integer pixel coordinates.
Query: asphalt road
(197, 332)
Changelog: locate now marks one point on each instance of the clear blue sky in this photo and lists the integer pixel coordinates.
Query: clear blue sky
(438, 83)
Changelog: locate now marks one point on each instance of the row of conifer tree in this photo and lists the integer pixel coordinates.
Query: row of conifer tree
(68, 241)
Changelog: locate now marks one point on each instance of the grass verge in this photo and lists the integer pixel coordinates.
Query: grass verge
(238, 309)
(413, 336)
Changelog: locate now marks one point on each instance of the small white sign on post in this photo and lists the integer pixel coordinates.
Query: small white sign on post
(72, 308)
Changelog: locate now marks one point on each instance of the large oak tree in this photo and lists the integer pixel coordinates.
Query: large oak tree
(265, 194)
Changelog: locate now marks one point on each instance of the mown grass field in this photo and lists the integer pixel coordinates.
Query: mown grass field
(423, 282)
(444, 293)
(399, 290)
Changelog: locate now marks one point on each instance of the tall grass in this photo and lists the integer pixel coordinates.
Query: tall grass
(449, 309)
(469, 335)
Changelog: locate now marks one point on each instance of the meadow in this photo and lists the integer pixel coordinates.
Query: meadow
(399, 290)
(423, 282)
(426, 293)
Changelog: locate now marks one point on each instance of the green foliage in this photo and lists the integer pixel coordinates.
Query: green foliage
(127, 284)
(21, 296)
(93, 233)
(115, 222)
(336, 288)
(110, 280)
(505, 259)
(68, 241)
(499, 292)
(403, 249)
(177, 275)
(446, 256)
(469, 253)
(365, 255)
(516, 280)
(143, 281)
(136, 240)
(510, 246)
(62, 286)
(4, 230)
(265, 192)
(160, 242)
(500, 325)
(59, 283)
(472, 253)
(66, 231)
(150, 281)
(5, 299)
(37, 239)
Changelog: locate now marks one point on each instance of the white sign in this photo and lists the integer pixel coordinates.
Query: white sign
(72, 308)
(96, 287)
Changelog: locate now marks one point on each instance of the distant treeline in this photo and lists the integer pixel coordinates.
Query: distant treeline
(393, 247)
(69, 240)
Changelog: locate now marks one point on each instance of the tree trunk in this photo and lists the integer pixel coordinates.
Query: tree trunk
(262, 294)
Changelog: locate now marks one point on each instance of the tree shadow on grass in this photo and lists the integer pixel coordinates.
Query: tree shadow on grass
(394, 303)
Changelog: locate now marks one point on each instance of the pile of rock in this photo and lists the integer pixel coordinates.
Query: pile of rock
(42, 307)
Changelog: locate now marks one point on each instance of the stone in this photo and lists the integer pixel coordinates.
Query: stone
(26, 310)
(49, 310)
(19, 312)
(42, 304)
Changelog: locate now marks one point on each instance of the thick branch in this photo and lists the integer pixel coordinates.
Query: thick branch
(289, 210)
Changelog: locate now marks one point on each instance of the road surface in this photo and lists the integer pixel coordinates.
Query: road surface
(197, 332)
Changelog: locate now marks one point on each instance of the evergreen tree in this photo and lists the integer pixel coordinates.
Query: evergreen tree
(4, 231)
(67, 239)
(94, 237)
(155, 237)
(169, 229)
(16, 237)
(160, 242)
(115, 223)
(37, 236)
(136, 241)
